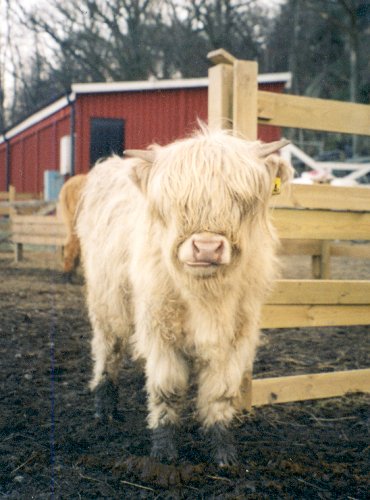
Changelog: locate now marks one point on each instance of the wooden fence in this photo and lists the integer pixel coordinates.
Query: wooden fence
(322, 204)
(294, 303)
(41, 230)
(9, 199)
(308, 219)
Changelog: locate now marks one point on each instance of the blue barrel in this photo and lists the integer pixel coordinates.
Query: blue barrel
(53, 182)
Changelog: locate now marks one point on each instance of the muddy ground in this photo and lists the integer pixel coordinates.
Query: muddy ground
(51, 447)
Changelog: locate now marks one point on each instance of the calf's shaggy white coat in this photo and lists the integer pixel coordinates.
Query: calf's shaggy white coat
(139, 224)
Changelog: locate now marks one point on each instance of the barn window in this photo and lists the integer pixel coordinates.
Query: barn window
(106, 138)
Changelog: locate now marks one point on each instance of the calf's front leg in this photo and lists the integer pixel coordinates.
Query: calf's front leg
(167, 376)
(219, 397)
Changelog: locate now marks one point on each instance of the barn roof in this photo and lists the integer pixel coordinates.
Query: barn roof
(95, 88)
(109, 87)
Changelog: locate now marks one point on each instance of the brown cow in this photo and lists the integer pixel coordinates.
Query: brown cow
(69, 198)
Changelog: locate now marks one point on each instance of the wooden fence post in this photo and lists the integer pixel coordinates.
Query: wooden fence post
(245, 88)
(232, 94)
(11, 193)
(232, 103)
(12, 209)
(18, 252)
(220, 89)
(220, 96)
(321, 263)
(245, 116)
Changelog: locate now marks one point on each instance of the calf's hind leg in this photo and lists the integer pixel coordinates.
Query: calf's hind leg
(107, 353)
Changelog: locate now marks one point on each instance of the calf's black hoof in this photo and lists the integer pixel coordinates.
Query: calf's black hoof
(221, 445)
(163, 443)
(106, 401)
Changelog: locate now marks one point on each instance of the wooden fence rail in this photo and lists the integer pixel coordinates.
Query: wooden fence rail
(9, 199)
(307, 218)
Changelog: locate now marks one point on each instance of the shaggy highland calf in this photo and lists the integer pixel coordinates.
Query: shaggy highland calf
(69, 198)
(179, 254)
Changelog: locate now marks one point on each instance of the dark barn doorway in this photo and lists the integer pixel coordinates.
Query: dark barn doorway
(106, 138)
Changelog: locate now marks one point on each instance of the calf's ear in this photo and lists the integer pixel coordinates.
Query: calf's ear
(139, 173)
(268, 148)
(143, 154)
(279, 168)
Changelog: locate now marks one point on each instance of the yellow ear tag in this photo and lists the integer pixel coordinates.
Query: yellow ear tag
(277, 186)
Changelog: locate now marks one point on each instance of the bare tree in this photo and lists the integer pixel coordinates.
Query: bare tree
(352, 19)
(323, 42)
(3, 57)
(7, 63)
(104, 40)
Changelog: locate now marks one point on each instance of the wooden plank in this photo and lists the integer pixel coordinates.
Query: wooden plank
(36, 222)
(324, 292)
(299, 247)
(320, 224)
(298, 316)
(39, 229)
(310, 386)
(12, 195)
(221, 56)
(53, 240)
(359, 251)
(313, 247)
(324, 196)
(35, 219)
(314, 114)
(27, 196)
(245, 89)
(4, 210)
(220, 96)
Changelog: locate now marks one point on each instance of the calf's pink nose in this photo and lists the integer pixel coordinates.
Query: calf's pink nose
(207, 250)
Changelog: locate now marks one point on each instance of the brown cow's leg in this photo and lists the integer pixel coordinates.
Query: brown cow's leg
(71, 256)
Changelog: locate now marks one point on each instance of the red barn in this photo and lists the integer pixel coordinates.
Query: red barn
(97, 119)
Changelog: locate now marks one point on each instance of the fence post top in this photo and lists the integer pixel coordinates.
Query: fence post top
(221, 56)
